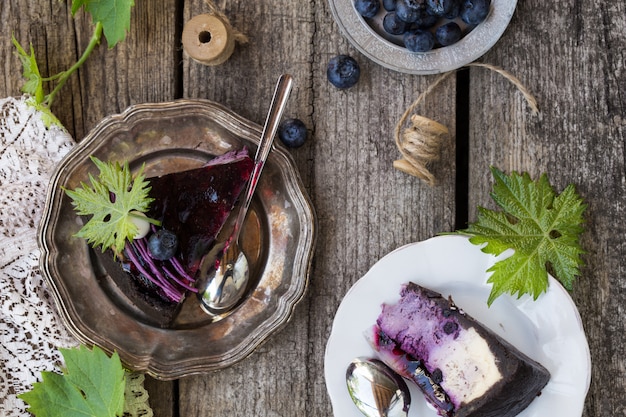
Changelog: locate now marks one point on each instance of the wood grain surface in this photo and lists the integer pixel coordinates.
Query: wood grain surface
(571, 56)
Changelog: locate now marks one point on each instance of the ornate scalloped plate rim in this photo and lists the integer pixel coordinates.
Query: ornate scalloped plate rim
(149, 361)
(385, 53)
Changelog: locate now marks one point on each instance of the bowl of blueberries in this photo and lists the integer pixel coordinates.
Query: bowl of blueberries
(423, 36)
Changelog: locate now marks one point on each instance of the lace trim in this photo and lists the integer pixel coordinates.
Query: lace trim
(31, 330)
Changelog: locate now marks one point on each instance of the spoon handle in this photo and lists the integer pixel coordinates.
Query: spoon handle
(277, 107)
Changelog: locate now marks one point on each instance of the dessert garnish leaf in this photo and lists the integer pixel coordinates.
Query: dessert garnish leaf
(92, 384)
(541, 227)
(110, 200)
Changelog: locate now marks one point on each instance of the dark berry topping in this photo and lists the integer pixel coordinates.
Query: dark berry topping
(437, 376)
(162, 245)
(450, 327)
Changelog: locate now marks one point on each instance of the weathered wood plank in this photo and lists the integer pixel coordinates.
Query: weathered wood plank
(273, 380)
(570, 55)
(365, 208)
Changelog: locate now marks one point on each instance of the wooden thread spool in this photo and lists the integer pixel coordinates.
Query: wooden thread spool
(208, 39)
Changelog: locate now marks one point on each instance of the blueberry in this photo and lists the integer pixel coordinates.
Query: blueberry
(419, 40)
(367, 8)
(448, 34)
(393, 25)
(425, 20)
(343, 71)
(389, 5)
(440, 7)
(292, 132)
(474, 11)
(450, 327)
(408, 10)
(455, 10)
(162, 245)
(437, 376)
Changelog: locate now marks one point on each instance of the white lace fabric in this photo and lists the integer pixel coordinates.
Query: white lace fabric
(31, 331)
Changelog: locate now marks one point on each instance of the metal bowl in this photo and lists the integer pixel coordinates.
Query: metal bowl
(368, 36)
(169, 137)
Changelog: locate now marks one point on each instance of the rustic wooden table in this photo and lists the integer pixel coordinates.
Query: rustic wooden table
(571, 55)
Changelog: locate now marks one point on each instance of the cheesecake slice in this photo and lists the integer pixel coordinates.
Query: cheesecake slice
(463, 368)
(193, 206)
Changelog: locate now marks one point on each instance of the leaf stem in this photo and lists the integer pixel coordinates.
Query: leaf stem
(144, 218)
(65, 75)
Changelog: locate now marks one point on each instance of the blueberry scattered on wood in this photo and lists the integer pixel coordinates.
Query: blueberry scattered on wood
(343, 71)
(292, 132)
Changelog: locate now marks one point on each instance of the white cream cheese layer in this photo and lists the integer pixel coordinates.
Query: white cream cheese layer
(467, 364)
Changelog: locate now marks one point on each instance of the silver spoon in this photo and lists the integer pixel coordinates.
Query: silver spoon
(226, 284)
(377, 390)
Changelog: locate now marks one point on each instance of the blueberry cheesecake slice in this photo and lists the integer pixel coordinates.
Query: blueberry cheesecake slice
(463, 368)
(155, 261)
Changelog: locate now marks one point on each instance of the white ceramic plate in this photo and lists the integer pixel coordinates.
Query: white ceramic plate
(549, 330)
(365, 35)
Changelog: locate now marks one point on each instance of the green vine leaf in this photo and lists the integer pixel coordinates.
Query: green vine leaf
(114, 15)
(30, 71)
(110, 200)
(111, 17)
(92, 385)
(541, 227)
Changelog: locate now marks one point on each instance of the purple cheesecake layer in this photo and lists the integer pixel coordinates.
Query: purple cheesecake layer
(419, 323)
(194, 205)
(412, 369)
(480, 373)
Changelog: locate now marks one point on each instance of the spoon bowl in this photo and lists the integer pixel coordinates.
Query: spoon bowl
(229, 284)
(376, 390)
(227, 280)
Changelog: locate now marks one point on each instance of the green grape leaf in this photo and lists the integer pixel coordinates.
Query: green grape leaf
(92, 385)
(114, 15)
(45, 113)
(541, 227)
(34, 82)
(110, 201)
